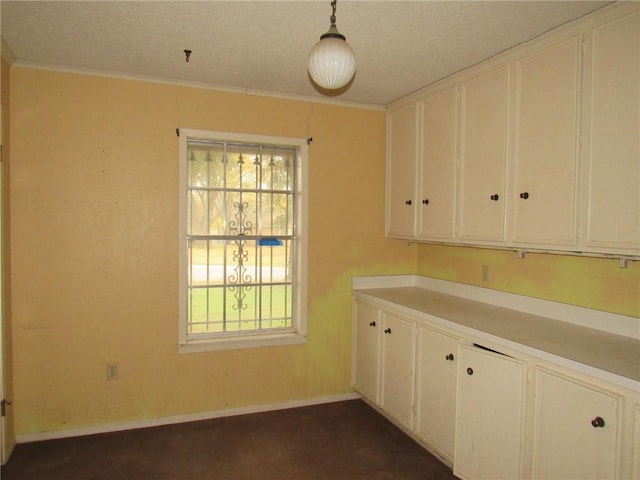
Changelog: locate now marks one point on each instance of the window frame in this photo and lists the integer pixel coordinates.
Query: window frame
(299, 321)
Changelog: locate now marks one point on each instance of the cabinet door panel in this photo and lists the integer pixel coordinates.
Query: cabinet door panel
(438, 166)
(366, 371)
(436, 389)
(398, 343)
(566, 444)
(614, 160)
(546, 140)
(402, 126)
(490, 416)
(483, 156)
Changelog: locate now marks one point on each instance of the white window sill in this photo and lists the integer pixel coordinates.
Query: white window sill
(238, 342)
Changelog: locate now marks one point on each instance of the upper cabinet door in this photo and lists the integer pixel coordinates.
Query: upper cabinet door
(613, 153)
(546, 145)
(484, 156)
(402, 154)
(438, 166)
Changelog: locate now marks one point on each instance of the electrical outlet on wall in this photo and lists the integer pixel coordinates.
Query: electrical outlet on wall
(485, 273)
(112, 371)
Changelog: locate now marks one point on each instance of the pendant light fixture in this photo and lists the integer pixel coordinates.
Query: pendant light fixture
(332, 62)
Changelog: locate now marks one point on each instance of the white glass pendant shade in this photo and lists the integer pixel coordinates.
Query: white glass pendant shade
(332, 62)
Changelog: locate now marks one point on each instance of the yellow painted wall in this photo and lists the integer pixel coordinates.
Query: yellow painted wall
(597, 283)
(94, 215)
(93, 260)
(7, 346)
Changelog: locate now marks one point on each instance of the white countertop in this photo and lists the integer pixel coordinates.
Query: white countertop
(609, 356)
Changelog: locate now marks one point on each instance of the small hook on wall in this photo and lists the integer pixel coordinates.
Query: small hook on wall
(187, 55)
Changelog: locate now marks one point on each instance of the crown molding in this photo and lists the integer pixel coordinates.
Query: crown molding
(7, 54)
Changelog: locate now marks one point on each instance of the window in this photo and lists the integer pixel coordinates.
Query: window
(242, 240)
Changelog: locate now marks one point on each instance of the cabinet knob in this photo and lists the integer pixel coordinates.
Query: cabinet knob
(372, 324)
(408, 202)
(495, 197)
(425, 201)
(597, 422)
(524, 195)
(470, 371)
(449, 357)
(387, 330)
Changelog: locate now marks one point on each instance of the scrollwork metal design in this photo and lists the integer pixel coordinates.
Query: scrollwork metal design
(238, 280)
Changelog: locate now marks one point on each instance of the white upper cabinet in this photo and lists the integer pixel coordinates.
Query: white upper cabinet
(402, 154)
(613, 137)
(537, 148)
(484, 156)
(546, 145)
(437, 165)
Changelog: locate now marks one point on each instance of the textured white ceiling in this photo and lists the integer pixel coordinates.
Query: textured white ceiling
(400, 46)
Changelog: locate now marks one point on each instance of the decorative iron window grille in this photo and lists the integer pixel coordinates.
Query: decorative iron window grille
(241, 238)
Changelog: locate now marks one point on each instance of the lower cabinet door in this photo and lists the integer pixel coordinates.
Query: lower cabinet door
(398, 357)
(436, 389)
(576, 429)
(490, 416)
(366, 350)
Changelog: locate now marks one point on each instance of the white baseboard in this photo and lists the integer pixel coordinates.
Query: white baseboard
(191, 417)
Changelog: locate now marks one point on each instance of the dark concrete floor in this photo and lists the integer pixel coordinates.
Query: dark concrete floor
(337, 441)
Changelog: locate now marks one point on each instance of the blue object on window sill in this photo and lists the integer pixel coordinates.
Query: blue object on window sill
(269, 242)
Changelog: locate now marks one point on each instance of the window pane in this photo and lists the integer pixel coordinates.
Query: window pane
(205, 167)
(243, 166)
(237, 195)
(274, 306)
(206, 312)
(206, 262)
(278, 169)
(274, 263)
(277, 214)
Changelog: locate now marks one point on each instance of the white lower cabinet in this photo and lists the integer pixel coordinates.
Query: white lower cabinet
(490, 419)
(492, 412)
(576, 429)
(366, 350)
(398, 359)
(436, 390)
(384, 360)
